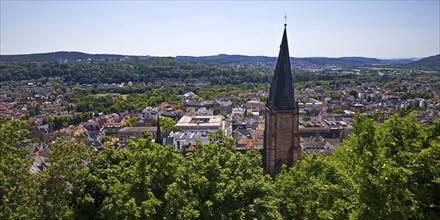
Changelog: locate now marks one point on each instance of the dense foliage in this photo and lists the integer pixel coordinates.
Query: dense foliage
(142, 70)
(386, 171)
(59, 122)
(18, 197)
(156, 69)
(304, 62)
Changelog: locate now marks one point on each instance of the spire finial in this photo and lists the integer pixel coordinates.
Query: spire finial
(285, 19)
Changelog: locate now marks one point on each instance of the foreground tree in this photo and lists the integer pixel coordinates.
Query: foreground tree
(167, 124)
(61, 184)
(138, 190)
(389, 164)
(18, 193)
(217, 183)
(315, 188)
(387, 171)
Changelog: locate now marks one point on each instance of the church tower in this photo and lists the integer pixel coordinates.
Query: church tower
(281, 135)
(158, 139)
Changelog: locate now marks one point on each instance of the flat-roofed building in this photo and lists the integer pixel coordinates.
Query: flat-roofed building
(210, 124)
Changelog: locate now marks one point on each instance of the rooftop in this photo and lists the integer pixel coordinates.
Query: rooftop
(199, 120)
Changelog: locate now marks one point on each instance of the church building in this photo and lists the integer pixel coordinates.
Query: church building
(281, 134)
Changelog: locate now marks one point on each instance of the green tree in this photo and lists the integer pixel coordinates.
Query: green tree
(36, 110)
(104, 169)
(338, 111)
(217, 183)
(353, 93)
(378, 116)
(386, 171)
(166, 124)
(216, 110)
(336, 96)
(385, 164)
(129, 122)
(18, 193)
(138, 190)
(62, 181)
(106, 138)
(315, 188)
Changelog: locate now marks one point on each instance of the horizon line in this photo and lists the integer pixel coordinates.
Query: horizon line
(148, 55)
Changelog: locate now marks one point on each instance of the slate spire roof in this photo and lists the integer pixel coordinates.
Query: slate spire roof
(281, 95)
(158, 139)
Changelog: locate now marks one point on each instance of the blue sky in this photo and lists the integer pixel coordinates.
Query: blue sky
(383, 29)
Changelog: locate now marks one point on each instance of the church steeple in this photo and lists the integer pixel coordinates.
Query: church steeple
(158, 139)
(281, 131)
(281, 95)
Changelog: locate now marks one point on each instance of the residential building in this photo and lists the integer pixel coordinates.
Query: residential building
(184, 140)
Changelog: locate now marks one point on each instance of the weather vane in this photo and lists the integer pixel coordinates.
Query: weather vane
(285, 19)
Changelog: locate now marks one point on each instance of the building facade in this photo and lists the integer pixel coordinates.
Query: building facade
(281, 135)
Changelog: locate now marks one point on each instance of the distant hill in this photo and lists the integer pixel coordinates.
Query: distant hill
(232, 60)
(220, 69)
(307, 62)
(221, 59)
(432, 62)
(62, 56)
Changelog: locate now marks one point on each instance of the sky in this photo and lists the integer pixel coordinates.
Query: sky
(381, 29)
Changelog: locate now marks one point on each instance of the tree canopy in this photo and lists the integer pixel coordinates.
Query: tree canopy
(386, 171)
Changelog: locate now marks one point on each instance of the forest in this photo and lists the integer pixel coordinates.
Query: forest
(151, 70)
(145, 70)
(385, 171)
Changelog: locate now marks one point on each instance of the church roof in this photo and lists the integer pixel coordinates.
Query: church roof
(281, 94)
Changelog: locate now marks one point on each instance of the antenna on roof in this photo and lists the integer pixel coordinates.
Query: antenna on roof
(285, 19)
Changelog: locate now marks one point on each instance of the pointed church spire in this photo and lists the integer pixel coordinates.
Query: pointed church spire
(281, 130)
(158, 139)
(281, 91)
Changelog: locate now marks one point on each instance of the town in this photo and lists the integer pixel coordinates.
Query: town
(219, 110)
(326, 110)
